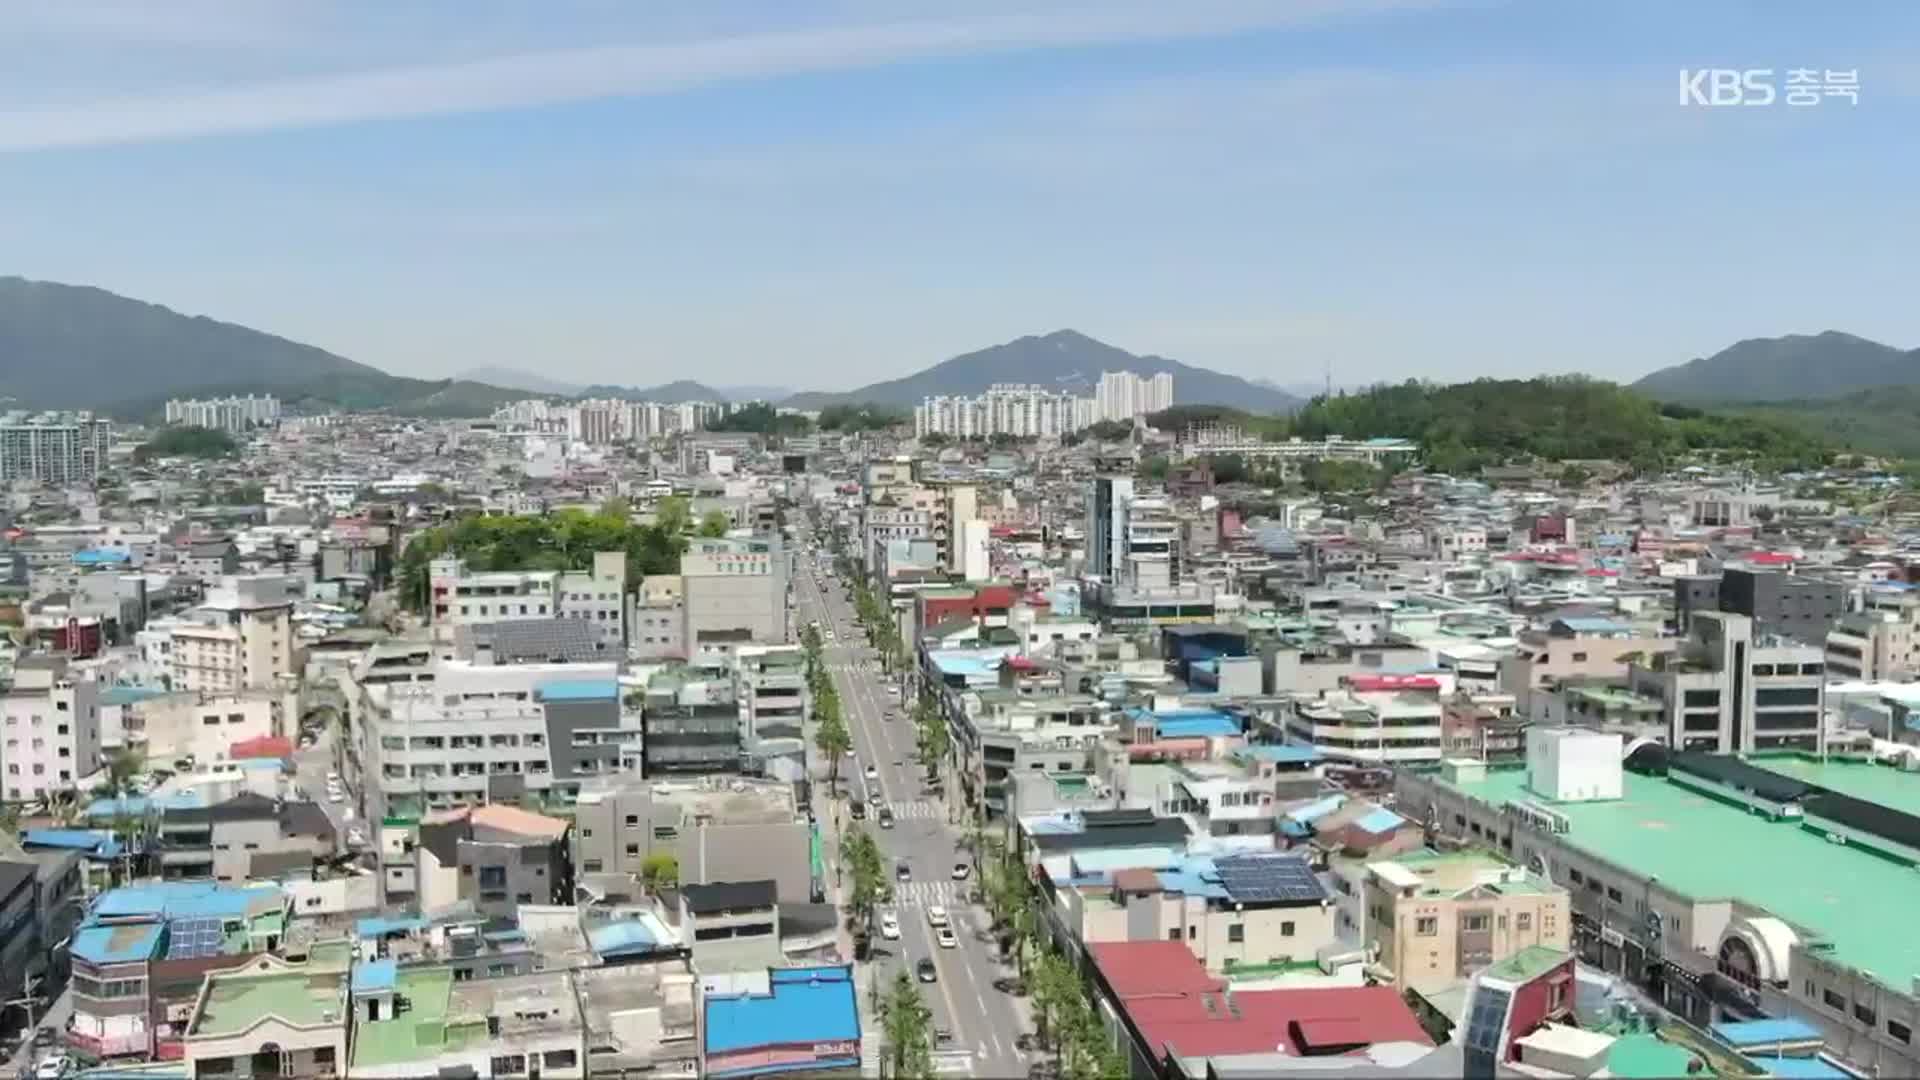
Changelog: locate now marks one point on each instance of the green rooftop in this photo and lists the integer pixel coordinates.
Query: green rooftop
(237, 1001)
(1708, 850)
(1645, 1057)
(1528, 964)
(1881, 784)
(421, 1033)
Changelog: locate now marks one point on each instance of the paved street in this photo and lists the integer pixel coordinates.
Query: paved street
(983, 1021)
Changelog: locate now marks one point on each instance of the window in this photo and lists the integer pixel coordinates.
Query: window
(323, 1055)
(220, 1066)
(586, 834)
(1613, 894)
(1475, 923)
(1237, 932)
(1523, 920)
(633, 820)
(560, 1059)
(1834, 1000)
(1864, 1013)
(633, 849)
(523, 898)
(1426, 925)
(1173, 934)
(591, 866)
(1899, 1031)
(1286, 929)
(1576, 877)
(1579, 658)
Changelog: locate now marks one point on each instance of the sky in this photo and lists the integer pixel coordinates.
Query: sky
(823, 194)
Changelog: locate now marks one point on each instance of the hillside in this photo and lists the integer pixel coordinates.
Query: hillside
(1465, 426)
(72, 346)
(1063, 360)
(515, 379)
(1795, 367)
(673, 393)
(1884, 421)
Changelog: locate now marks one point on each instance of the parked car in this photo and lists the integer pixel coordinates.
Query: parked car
(890, 926)
(53, 1067)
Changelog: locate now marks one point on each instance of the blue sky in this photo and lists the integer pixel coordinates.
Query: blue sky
(824, 194)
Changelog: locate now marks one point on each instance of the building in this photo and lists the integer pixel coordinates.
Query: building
(1732, 689)
(464, 596)
(474, 734)
(734, 925)
(1014, 409)
(1122, 395)
(737, 830)
(234, 415)
(1571, 649)
(1373, 722)
(770, 688)
(689, 725)
(57, 449)
(1437, 919)
(22, 946)
(234, 840)
(659, 619)
(52, 728)
(734, 591)
(240, 638)
(495, 858)
(1107, 499)
(598, 597)
(269, 1017)
(1787, 605)
(780, 1020)
(1239, 913)
(1880, 643)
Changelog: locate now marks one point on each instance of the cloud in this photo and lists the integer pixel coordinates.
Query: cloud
(580, 74)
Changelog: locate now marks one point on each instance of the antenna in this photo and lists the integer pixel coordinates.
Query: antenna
(1326, 368)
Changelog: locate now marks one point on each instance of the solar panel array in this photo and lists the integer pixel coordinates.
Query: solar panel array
(191, 938)
(1261, 880)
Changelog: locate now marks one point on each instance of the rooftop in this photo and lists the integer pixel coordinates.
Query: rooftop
(236, 1001)
(1881, 784)
(421, 1033)
(1709, 850)
(806, 1005)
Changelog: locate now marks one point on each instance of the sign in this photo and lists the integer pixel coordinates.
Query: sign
(835, 1049)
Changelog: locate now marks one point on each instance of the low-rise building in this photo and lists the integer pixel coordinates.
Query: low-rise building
(1436, 919)
(269, 1018)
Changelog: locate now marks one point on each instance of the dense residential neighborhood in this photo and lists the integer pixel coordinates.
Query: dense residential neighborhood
(597, 740)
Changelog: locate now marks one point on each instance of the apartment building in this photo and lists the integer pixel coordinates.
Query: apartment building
(473, 734)
(51, 726)
(461, 595)
(659, 619)
(770, 689)
(269, 1017)
(235, 415)
(735, 591)
(690, 723)
(1732, 689)
(1879, 643)
(240, 638)
(734, 925)
(1786, 605)
(598, 597)
(1396, 726)
(999, 733)
(53, 448)
(1572, 648)
(236, 840)
(495, 858)
(1240, 912)
(716, 828)
(1436, 919)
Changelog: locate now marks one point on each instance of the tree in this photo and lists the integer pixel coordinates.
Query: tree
(1575, 476)
(907, 1026)
(714, 524)
(860, 859)
(930, 729)
(1053, 987)
(672, 515)
(189, 441)
(660, 870)
(830, 734)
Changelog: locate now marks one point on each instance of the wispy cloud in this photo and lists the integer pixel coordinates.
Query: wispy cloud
(581, 74)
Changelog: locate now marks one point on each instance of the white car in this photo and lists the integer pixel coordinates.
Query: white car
(52, 1067)
(336, 795)
(873, 772)
(333, 778)
(936, 916)
(890, 926)
(944, 936)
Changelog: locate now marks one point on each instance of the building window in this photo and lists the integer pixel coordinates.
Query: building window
(1523, 920)
(1576, 877)
(323, 1055)
(561, 1059)
(1613, 894)
(1834, 1000)
(1173, 934)
(1237, 932)
(591, 866)
(1426, 925)
(1286, 929)
(1865, 1014)
(1899, 1031)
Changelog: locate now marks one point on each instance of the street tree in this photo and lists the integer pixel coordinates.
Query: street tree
(830, 734)
(907, 1025)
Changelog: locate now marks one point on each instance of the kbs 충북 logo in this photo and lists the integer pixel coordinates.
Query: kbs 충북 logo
(1755, 87)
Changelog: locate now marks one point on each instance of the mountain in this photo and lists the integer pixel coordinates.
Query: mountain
(755, 393)
(78, 347)
(1795, 367)
(672, 393)
(1063, 360)
(515, 379)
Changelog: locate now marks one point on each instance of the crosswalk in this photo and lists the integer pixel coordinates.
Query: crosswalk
(917, 810)
(923, 894)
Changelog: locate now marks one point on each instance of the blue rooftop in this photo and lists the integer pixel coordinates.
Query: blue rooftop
(1381, 820)
(97, 842)
(100, 557)
(1766, 1032)
(806, 1005)
(1190, 723)
(374, 976)
(1283, 754)
(138, 806)
(180, 899)
(380, 925)
(580, 690)
(1798, 1068)
(623, 937)
(116, 944)
(128, 695)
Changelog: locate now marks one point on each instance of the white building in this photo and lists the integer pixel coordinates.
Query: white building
(241, 638)
(462, 596)
(1369, 727)
(1122, 395)
(1574, 765)
(970, 549)
(598, 597)
(230, 414)
(51, 728)
(53, 448)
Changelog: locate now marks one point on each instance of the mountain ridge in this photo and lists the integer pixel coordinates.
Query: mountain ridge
(1791, 367)
(1065, 360)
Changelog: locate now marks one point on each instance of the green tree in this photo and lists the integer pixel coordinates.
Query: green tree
(660, 870)
(673, 515)
(714, 524)
(907, 1026)
(1155, 468)
(1575, 476)
(830, 734)
(931, 734)
(866, 871)
(189, 441)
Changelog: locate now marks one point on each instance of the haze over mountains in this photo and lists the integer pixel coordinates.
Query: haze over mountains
(1797, 366)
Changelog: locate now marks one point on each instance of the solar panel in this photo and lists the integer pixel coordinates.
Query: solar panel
(196, 937)
(1270, 879)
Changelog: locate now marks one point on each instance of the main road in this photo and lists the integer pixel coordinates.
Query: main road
(980, 1019)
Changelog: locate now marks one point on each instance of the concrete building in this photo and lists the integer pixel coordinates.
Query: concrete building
(1788, 605)
(1571, 649)
(1392, 726)
(234, 415)
(461, 595)
(970, 550)
(1880, 643)
(598, 597)
(240, 638)
(735, 592)
(269, 1018)
(51, 728)
(1437, 919)
(731, 829)
(770, 688)
(659, 619)
(206, 727)
(231, 841)
(734, 925)
(57, 449)
(496, 858)
(1730, 689)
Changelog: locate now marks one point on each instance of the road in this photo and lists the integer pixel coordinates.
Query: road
(982, 1020)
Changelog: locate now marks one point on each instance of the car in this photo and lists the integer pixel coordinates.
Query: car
(961, 870)
(925, 971)
(890, 926)
(886, 817)
(944, 936)
(873, 772)
(903, 871)
(336, 795)
(858, 810)
(356, 838)
(936, 916)
(333, 776)
(52, 1067)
